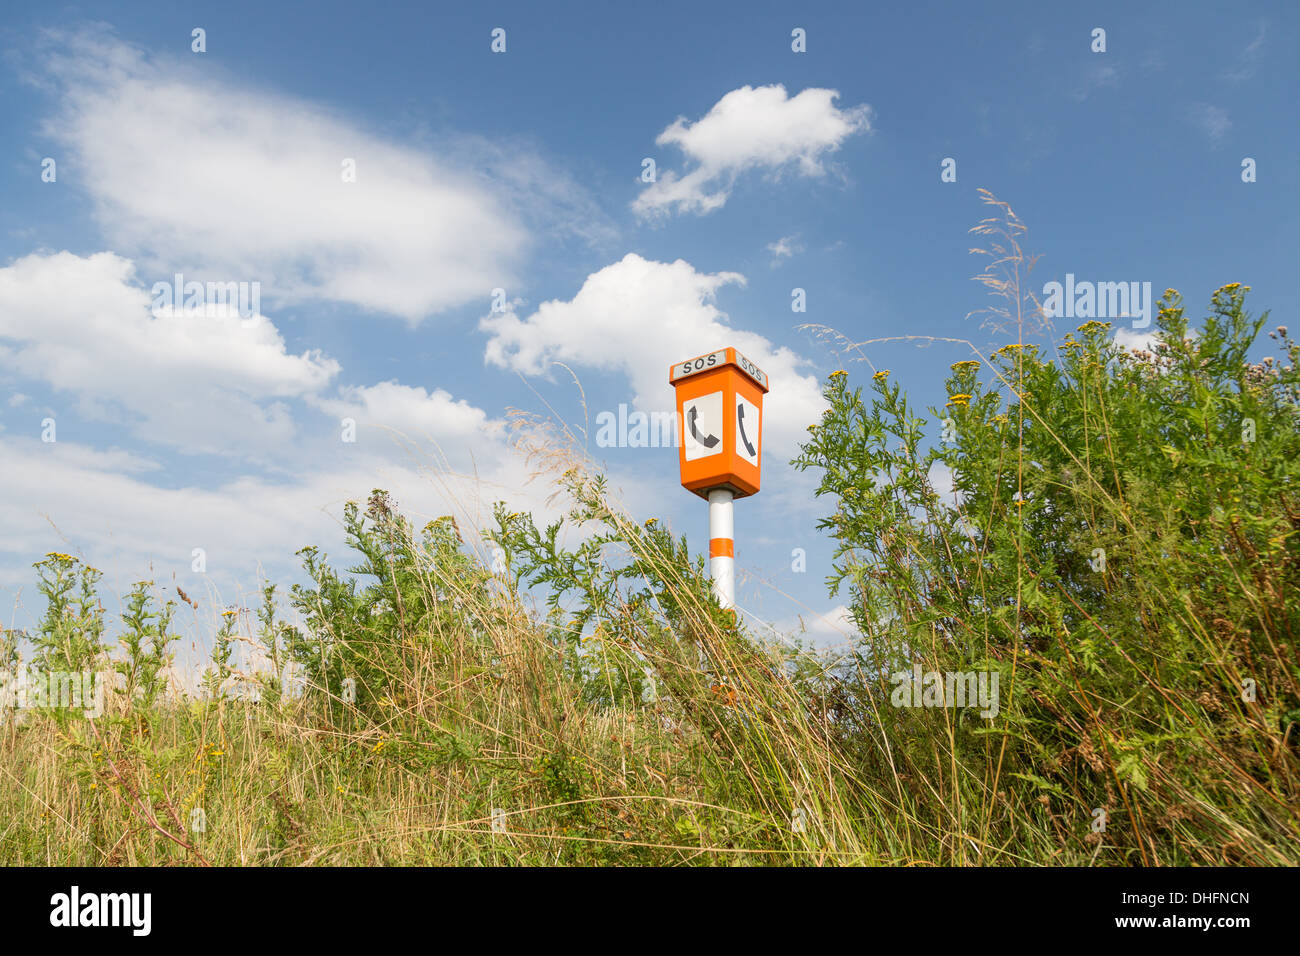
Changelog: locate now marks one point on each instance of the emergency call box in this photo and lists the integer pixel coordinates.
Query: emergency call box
(719, 422)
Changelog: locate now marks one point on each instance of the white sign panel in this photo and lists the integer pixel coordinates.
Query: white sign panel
(702, 424)
(749, 425)
(702, 364)
(752, 370)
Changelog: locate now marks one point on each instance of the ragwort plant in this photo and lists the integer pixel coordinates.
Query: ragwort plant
(1120, 547)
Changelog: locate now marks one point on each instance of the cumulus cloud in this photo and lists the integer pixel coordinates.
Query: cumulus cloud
(198, 382)
(637, 317)
(459, 433)
(196, 173)
(223, 385)
(751, 128)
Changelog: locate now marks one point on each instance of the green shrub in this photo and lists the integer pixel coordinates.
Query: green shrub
(1121, 551)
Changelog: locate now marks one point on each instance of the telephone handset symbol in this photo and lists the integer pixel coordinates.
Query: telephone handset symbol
(740, 420)
(707, 441)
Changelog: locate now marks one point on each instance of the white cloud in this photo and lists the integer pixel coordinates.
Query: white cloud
(784, 248)
(835, 623)
(82, 457)
(200, 174)
(751, 128)
(637, 317)
(459, 431)
(1135, 341)
(65, 497)
(200, 383)
(84, 325)
(941, 480)
(1146, 342)
(831, 630)
(114, 515)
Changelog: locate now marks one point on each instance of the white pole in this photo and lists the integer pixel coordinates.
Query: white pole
(722, 546)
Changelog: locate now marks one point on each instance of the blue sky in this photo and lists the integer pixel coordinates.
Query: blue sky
(522, 171)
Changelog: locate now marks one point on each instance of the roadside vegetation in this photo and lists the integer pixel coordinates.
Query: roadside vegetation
(1116, 538)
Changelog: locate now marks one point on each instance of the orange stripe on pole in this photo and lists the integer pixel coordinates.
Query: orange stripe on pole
(722, 548)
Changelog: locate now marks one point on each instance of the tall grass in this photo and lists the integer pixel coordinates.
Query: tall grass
(590, 703)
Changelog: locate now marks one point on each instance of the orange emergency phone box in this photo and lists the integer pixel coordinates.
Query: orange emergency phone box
(719, 422)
